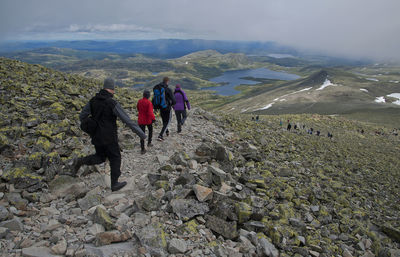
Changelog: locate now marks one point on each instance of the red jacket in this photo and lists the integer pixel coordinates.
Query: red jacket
(145, 109)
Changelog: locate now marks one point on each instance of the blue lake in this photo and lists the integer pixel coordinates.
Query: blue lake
(231, 79)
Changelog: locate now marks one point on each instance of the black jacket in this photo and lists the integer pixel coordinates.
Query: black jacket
(169, 96)
(107, 132)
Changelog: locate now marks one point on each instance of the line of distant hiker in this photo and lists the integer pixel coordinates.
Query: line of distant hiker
(100, 115)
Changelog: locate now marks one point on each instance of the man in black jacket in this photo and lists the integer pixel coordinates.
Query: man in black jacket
(166, 112)
(105, 139)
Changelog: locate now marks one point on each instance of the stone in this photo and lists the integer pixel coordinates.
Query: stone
(4, 214)
(89, 201)
(123, 219)
(186, 209)
(202, 193)
(153, 238)
(4, 232)
(368, 254)
(267, 248)
(37, 252)
(218, 175)
(225, 188)
(141, 219)
(185, 179)
(60, 248)
(193, 164)
(222, 227)
(297, 223)
(26, 243)
(149, 203)
(176, 246)
(71, 190)
(101, 216)
(49, 211)
(107, 250)
(13, 225)
(314, 208)
(108, 237)
(314, 253)
(392, 233)
(16, 200)
(96, 228)
(243, 212)
(347, 253)
(113, 198)
(51, 226)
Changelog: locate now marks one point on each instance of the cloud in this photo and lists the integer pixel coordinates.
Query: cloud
(363, 28)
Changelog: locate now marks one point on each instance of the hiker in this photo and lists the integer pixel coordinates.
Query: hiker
(280, 123)
(145, 118)
(289, 126)
(257, 118)
(318, 132)
(163, 99)
(105, 138)
(180, 106)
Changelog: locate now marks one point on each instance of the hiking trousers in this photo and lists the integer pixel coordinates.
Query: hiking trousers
(166, 117)
(112, 153)
(150, 128)
(180, 118)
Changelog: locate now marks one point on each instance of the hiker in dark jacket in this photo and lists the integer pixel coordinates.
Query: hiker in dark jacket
(145, 118)
(182, 103)
(105, 139)
(166, 112)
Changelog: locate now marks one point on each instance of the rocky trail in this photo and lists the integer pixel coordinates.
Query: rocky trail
(225, 186)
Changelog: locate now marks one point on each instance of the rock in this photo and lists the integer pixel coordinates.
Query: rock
(176, 246)
(89, 201)
(13, 225)
(60, 248)
(256, 226)
(222, 227)
(108, 250)
(49, 211)
(123, 219)
(314, 253)
(193, 164)
(150, 202)
(218, 175)
(50, 226)
(243, 212)
(221, 154)
(314, 208)
(113, 198)
(37, 252)
(185, 179)
(153, 238)
(392, 233)
(347, 253)
(108, 237)
(202, 193)
(96, 228)
(26, 243)
(3, 232)
(225, 188)
(368, 254)
(141, 219)
(267, 248)
(297, 223)
(179, 159)
(72, 190)
(100, 216)
(16, 200)
(186, 209)
(4, 214)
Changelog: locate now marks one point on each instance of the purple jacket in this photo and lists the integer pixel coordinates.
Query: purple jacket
(181, 99)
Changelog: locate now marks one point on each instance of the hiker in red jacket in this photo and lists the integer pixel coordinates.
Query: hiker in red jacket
(145, 118)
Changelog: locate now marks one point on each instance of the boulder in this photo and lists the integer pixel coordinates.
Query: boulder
(89, 201)
(4, 214)
(186, 209)
(202, 193)
(13, 225)
(108, 237)
(222, 227)
(100, 216)
(108, 250)
(177, 246)
(152, 237)
(37, 252)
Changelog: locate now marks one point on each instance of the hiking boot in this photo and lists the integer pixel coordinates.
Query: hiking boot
(167, 133)
(160, 138)
(117, 186)
(149, 145)
(143, 151)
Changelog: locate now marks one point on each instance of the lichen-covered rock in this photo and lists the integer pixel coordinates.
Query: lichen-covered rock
(101, 216)
(222, 227)
(186, 209)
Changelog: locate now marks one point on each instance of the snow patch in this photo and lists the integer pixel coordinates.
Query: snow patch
(372, 79)
(395, 95)
(380, 99)
(266, 107)
(364, 90)
(394, 81)
(281, 99)
(327, 83)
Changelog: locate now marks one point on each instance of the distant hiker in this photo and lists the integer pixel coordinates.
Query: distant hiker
(330, 135)
(318, 132)
(280, 123)
(252, 118)
(289, 126)
(163, 99)
(362, 131)
(105, 139)
(180, 106)
(257, 118)
(295, 126)
(145, 118)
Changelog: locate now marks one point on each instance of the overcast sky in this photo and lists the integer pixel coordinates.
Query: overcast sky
(362, 28)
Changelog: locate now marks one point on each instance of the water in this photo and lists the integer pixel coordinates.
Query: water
(231, 79)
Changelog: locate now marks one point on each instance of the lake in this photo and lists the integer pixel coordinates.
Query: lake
(231, 79)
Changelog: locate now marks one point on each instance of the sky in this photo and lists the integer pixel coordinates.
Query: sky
(352, 28)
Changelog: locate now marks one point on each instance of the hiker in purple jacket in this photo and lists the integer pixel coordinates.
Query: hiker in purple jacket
(182, 103)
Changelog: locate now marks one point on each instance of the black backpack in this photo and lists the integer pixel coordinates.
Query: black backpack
(90, 123)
